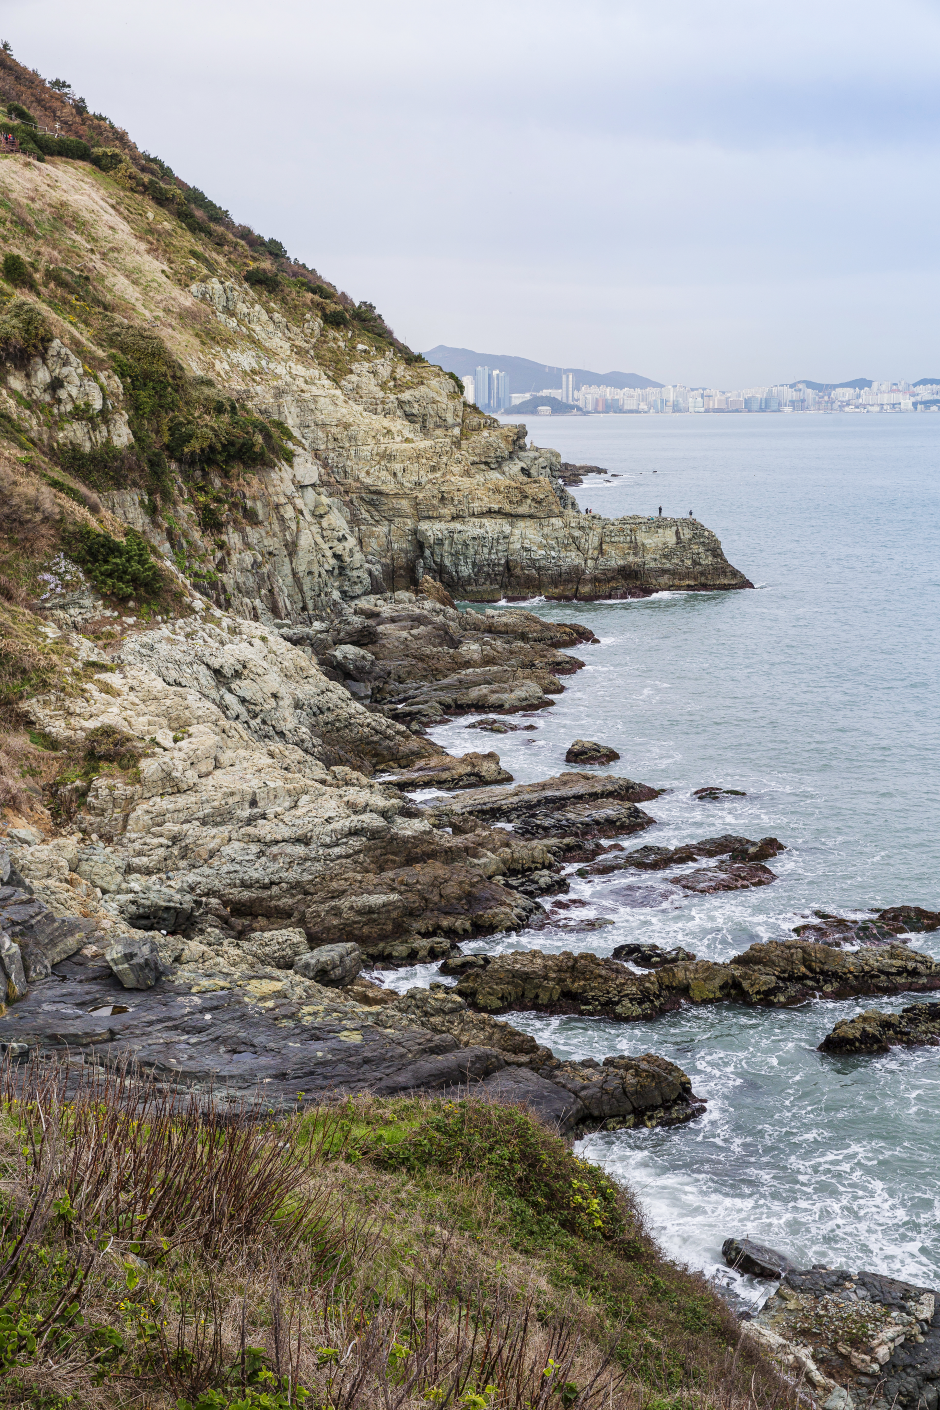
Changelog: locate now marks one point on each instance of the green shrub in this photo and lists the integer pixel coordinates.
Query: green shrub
(274, 247)
(108, 158)
(323, 291)
(60, 146)
(16, 271)
(24, 331)
(119, 569)
(262, 278)
(336, 317)
(16, 110)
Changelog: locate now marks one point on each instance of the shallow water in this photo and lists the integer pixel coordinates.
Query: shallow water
(817, 695)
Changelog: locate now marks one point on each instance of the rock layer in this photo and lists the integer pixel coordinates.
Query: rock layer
(918, 1025)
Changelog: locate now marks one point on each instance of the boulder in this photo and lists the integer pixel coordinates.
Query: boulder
(101, 867)
(498, 726)
(277, 948)
(651, 956)
(588, 751)
(12, 971)
(918, 1025)
(10, 876)
(711, 793)
(136, 963)
(727, 876)
(42, 937)
(155, 907)
(332, 965)
(746, 1256)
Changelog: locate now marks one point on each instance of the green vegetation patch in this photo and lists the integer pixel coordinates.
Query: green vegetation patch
(122, 569)
(24, 331)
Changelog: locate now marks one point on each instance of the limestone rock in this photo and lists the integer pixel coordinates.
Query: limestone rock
(333, 965)
(101, 868)
(873, 1031)
(154, 907)
(136, 963)
(587, 751)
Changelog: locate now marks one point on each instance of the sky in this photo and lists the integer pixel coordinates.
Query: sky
(712, 192)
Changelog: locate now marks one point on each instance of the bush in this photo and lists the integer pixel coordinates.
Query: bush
(16, 110)
(16, 271)
(262, 278)
(119, 569)
(108, 158)
(274, 247)
(24, 331)
(336, 317)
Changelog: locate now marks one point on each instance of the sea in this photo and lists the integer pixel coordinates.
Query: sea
(817, 696)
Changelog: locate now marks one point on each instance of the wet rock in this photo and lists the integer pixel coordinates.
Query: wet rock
(882, 929)
(136, 963)
(651, 956)
(459, 964)
(538, 883)
(498, 726)
(332, 965)
(43, 938)
(570, 474)
(469, 771)
(918, 1025)
(773, 974)
(713, 794)
(155, 907)
(651, 858)
(727, 876)
(575, 805)
(413, 950)
(587, 751)
(757, 1259)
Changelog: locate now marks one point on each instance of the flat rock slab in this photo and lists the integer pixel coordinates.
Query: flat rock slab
(577, 805)
(774, 974)
(918, 1025)
(711, 793)
(651, 858)
(882, 928)
(469, 771)
(499, 726)
(857, 1338)
(727, 876)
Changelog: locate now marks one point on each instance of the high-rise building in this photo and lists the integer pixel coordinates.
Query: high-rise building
(469, 389)
(497, 390)
(567, 386)
(482, 380)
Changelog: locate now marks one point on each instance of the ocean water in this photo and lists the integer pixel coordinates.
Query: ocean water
(817, 695)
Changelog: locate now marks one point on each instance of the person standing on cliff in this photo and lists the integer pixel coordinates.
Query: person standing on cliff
(690, 514)
(660, 511)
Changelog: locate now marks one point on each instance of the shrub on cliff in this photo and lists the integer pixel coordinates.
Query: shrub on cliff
(262, 278)
(336, 317)
(16, 271)
(120, 569)
(24, 332)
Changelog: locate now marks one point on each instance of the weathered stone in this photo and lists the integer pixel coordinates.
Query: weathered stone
(468, 771)
(873, 1031)
(43, 938)
(135, 962)
(570, 805)
(278, 948)
(10, 876)
(101, 868)
(651, 858)
(651, 956)
(12, 971)
(727, 876)
(498, 726)
(757, 1259)
(587, 751)
(774, 974)
(882, 929)
(712, 794)
(333, 965)
(155, 907)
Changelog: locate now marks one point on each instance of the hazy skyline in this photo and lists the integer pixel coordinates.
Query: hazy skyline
(713, 194)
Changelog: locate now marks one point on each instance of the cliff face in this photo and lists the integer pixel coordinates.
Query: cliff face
(382, 475)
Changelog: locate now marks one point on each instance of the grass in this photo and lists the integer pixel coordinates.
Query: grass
(161, 1249)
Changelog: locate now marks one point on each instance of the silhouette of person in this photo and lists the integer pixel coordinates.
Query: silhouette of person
(690, 514)
(660, 511)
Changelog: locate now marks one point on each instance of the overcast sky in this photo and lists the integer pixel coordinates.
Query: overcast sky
(708, 191)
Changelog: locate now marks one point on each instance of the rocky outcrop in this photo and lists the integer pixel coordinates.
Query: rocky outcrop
(649, 956)
(857, 1338)
(572, 805)
(774, 974)
(650, 858)
(881, 929)
(918, 1025)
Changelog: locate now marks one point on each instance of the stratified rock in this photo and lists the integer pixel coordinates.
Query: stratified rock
(9, 876)
(570, 474)
(650, 858)
(100, 867)
(774, 974)
(498, 726)
(726, 876)
(333, 965)
(12, 971)
(904, 919)
(713, 794)
(469, 771)
(757, 1259)
(918, 1025)
(135, 962)
(651, 956)
(43, 938)
(571, 805)
(588, 751)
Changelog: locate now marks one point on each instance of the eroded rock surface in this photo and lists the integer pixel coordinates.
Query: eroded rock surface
(918, 1025)
(775, 974)
(882, 928)
(588, 751)
(575, 805)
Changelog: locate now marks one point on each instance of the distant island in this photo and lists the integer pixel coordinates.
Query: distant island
(535, 406)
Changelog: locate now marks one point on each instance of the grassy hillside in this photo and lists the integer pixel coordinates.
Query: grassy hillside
(399, 1253)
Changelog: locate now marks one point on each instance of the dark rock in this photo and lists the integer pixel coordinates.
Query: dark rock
(588, 751)
(774, 974)
(712, 794)
(333, 965)
(576, 805)
(520, 1086)
(43, 938)
(727, 876)
(498, 726)
(650, 858)
(9, 876)
(836, 930)
(570, 474)
(469, 771)
(155, 907)
(459, 964)
(12, 971)
(908, 919)
(651, 956)
(538, 883)
(918, 1025)
(136, 963)
(757, 1259)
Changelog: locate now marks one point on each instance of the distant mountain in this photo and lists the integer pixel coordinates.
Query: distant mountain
(523, 375)
(928, 382)
(531, 407)
(861, 384)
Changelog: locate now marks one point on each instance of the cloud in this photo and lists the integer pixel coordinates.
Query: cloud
(714, 192)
